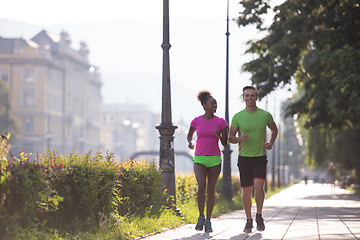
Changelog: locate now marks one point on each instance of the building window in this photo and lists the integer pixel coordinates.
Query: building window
(28, 125)
(28, 76)
(28, 98)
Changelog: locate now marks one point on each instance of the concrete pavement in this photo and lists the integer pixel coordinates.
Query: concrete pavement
(305, 212)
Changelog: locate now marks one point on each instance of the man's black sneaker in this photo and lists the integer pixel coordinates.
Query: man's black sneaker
(200, 223)
(248, 226)
(260, 223)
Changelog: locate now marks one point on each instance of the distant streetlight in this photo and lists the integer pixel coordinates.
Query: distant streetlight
(166, 128)
(226, 185)
(289, 94)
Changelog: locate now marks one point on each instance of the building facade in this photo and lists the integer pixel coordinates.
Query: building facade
(129, 129)
(55, 93)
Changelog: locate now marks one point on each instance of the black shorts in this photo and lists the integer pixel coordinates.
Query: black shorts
(251, 168)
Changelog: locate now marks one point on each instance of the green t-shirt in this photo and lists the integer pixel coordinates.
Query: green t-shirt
(253, 123)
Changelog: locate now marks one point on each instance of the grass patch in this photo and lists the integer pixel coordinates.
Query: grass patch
(130, 227)
(223, 206)
(134, 226)
(117, 228)
(189, 211)
(355, 189)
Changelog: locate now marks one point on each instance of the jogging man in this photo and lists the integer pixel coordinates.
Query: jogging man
(250, 124)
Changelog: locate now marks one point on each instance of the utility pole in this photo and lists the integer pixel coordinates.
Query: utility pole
(274, 158)
(226, 185)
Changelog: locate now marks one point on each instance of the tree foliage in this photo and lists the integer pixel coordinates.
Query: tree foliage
(316, 42)
(8, 122)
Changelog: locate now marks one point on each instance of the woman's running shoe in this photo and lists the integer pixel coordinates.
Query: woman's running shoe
(208, 227)
(200, 223)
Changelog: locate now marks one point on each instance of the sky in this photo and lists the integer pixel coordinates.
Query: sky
(197, 54)
(55, 12)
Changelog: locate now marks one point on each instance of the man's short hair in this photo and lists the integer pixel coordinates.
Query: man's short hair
(250, 87)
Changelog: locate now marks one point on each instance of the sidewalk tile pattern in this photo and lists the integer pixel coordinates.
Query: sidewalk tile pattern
(300, 212)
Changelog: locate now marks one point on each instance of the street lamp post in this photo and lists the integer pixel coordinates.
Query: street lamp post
(273, 168)
(279, 173)
(226, 185)
(273, 158)
(166, 128)
(289, 96)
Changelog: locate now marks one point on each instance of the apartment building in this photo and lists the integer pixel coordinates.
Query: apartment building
(55, 93)
(129, 128)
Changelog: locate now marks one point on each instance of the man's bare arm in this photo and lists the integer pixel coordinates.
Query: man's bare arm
(274, 133)
(233, 138)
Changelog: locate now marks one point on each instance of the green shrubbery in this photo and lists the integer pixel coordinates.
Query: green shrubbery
(90, 196)
(139, 189)
(75, 192)
(86, 185)
(25, 192)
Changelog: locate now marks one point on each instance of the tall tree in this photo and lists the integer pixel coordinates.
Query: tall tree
(316, 42)
(8, 122)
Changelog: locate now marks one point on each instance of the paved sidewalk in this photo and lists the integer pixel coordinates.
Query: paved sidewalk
(304, 212)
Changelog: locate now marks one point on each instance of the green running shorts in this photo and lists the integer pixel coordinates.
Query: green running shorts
(208, 161)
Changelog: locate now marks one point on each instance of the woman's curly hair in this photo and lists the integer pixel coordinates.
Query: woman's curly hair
(203, 96)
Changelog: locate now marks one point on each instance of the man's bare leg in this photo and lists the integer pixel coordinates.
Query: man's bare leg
(247, 203)
(246, 200)
(259, 199)
(259, 194)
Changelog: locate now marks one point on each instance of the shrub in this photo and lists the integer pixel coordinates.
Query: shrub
(235, 186)
(75, 192)
(186, 188)
(25, 192)
(139, 188)
(86, 184)
(4, 175)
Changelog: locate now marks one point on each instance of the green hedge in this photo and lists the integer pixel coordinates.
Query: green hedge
(87, 194)
(139, 189)
(74, 192)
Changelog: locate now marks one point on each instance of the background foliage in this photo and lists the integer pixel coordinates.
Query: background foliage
(8, 122)
(317, 44)
(74, 193)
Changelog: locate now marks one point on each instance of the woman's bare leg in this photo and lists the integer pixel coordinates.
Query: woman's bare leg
(200, 174)
(213, 174)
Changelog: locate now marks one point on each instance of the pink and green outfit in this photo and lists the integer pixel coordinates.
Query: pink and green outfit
(207, 151)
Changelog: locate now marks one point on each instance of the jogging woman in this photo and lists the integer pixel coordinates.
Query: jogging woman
(207, 161)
